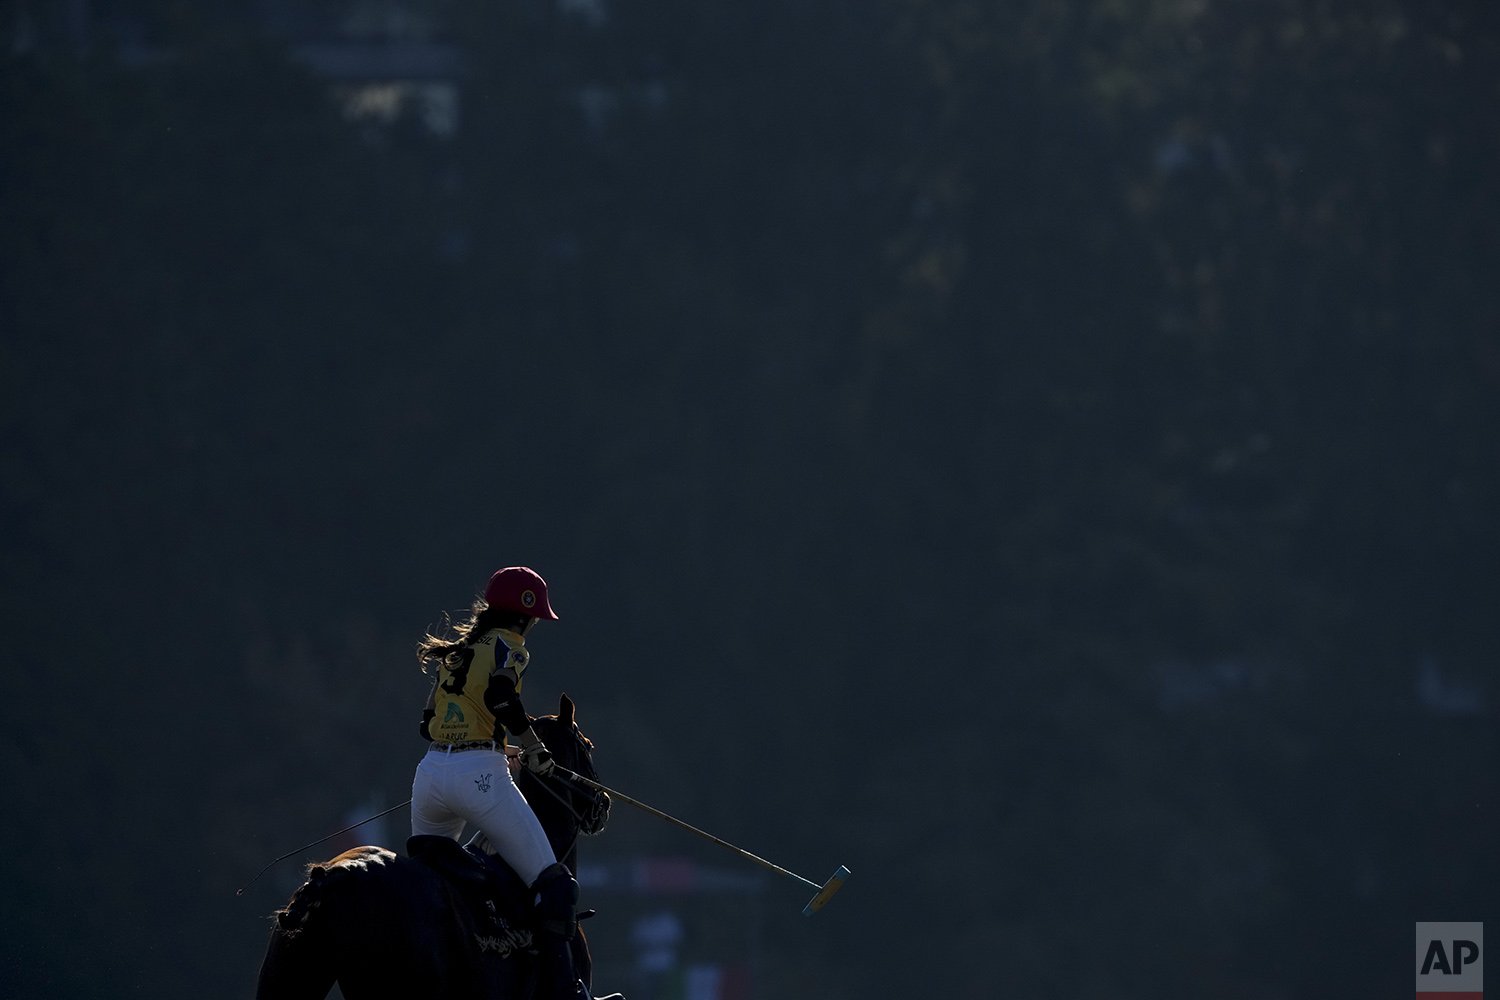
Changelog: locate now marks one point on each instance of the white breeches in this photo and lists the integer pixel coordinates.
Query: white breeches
(475, 786)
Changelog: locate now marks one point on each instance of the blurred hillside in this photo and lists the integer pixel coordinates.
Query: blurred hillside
(1042, 456)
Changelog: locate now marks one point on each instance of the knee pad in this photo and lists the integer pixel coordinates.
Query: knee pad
(556, 901)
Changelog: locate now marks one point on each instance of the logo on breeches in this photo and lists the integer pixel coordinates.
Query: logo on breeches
(483, 781)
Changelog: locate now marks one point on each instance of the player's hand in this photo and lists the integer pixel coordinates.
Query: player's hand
(535, 756)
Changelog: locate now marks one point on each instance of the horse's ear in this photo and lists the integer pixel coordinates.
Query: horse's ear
(565, 710)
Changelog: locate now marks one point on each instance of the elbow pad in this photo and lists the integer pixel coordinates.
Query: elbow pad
(427, 716)
(507, 708)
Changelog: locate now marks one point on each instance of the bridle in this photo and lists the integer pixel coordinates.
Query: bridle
(588, 820)
(591, 819)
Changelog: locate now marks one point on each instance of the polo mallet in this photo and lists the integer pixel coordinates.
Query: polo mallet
(401, 805)
(820, 899)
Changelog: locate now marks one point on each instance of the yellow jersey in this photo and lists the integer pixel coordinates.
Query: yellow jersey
(472, 682)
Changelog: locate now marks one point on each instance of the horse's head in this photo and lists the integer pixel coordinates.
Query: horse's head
(564, 807)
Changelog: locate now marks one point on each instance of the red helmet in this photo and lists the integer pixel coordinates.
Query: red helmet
(519, 589)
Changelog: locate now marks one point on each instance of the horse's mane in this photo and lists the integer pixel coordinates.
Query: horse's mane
(292, 918)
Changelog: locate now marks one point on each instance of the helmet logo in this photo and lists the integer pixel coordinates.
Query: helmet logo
(528, 599)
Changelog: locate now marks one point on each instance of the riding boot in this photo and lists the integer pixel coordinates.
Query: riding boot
(556, 902)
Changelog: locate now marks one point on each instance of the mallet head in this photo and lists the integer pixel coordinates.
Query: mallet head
(826, 893)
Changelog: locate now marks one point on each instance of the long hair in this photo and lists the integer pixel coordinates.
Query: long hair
(482, 618)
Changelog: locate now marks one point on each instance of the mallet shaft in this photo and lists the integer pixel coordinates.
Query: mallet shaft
(686, 826)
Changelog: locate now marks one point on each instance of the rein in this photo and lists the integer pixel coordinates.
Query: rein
(545, 783)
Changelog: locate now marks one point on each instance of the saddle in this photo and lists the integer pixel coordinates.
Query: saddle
(485, 887)
(496, 906)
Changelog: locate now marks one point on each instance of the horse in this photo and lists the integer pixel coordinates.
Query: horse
(381, 924)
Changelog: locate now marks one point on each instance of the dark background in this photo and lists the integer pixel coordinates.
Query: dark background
(1042, 455)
